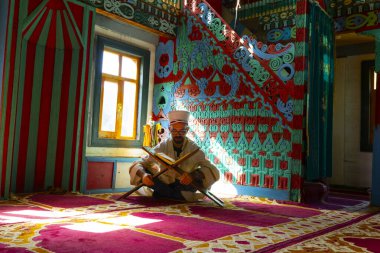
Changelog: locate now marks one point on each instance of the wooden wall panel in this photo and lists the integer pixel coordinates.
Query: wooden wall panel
(99, 175)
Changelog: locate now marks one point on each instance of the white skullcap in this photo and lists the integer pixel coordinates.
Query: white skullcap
(178, 116)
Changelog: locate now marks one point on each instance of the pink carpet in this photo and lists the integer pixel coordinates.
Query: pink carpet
(235, 216)
(10, 214)
(67, 201)
(371, 244)
(99, 223)
(188, 228)
(58, 238)
(290, 211)
(147, 201)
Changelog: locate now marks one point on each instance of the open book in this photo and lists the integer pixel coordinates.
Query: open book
(170, 163)
(164, 157)
(167, 159)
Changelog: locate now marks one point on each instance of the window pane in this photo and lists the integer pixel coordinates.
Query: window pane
(129, 68)
(372, 105)
(129, 109)
(109, 106)
(374, 80)
(110, 63)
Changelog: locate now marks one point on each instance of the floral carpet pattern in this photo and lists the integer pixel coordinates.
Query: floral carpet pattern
(43, 222)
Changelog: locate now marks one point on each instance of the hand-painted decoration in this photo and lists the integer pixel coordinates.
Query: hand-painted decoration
(351, 15)
(124, 10)
(250, 55)
(239, 93)
(164, 61)
(261, 8)
(338, 8)
(167, 5)
(269, 15)
(276, 19)
(154, 14)
(360, 21)
(45, 95)
(284, 34)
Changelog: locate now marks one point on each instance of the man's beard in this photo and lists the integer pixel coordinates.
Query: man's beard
(178, 140)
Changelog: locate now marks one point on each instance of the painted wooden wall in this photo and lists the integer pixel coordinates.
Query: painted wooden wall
(246, 115)
(45, 88)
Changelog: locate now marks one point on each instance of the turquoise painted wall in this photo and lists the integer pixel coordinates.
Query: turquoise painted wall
(245, 114)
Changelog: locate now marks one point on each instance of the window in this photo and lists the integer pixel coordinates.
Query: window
(368, 104)
(118, 99)
(120, 94)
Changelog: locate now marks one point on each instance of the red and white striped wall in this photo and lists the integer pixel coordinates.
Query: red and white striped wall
(44, 93)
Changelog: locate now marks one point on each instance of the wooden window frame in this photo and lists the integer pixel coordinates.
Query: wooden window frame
(142, 83)
(120, 81)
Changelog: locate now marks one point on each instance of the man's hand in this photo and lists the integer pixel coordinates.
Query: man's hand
(185, 179)
(147, 179)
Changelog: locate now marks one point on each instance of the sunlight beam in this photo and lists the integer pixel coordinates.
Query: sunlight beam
(44, 214)
(131, 220)
(115, 224)
(93, 227)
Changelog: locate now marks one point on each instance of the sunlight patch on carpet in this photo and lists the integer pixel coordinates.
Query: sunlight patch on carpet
(224, 190)
(4, 219)
(44, 214)
(132, 220)
(93, 227)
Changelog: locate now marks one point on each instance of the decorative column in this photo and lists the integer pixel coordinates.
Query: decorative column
(375, 188)
(375, 196)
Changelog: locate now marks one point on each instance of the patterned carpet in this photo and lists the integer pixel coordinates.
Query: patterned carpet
(44, 222)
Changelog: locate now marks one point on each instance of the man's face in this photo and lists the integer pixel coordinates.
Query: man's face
(178, 132)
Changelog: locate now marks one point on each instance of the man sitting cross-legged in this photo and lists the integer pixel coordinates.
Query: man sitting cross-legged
(197, 169)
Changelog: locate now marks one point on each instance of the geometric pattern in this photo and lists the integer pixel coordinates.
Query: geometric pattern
(359, 237)
(240, 93)
(140, 224)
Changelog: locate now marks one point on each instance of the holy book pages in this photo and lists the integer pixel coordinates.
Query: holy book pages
(165, 158)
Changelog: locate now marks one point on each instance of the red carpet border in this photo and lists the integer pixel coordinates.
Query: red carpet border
(99, 223)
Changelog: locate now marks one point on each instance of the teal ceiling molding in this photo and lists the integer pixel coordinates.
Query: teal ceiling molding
(358, 21)
(161, 17)
(339, 8)
(354, 15)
